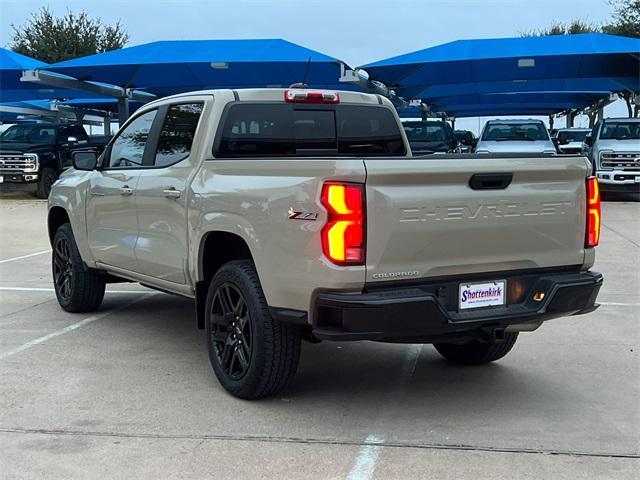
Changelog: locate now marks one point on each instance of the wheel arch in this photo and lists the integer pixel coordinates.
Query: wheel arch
(56, 217)
(216, 248)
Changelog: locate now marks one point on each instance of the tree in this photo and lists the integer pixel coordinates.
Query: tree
(626, 22)
(559, 28)
(54, 39)
(626, 18)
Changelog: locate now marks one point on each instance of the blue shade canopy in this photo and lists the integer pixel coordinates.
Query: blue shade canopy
(595, 62)
(12, 89)
(169, 67)
(520, 103)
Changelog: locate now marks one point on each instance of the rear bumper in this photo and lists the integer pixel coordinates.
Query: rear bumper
(427, 313)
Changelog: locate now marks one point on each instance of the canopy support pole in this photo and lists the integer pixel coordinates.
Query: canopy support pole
(107, 124)
(123, 110)
(551, 120)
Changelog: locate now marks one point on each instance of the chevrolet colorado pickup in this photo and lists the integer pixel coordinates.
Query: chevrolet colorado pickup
(302, 214)
(32, 155)
(613, 146)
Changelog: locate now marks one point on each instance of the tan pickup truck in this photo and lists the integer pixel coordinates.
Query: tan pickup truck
(302, 214)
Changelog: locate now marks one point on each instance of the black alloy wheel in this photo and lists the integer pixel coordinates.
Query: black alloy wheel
(231, 334)
(63, 268)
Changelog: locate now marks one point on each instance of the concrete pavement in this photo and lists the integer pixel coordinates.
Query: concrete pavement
(128, 392)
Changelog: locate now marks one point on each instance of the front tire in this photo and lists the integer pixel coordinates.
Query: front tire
(477, 353)
(47, 178)
(252, 355)
(78, 289)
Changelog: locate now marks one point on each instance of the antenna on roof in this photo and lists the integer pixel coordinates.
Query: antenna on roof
(304, 79)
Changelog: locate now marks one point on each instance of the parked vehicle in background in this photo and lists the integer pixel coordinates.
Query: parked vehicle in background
(570, 140)
(613, 146)
(466, 140)
(430, 136)
(515, 136)
(301, 214)
(32, 155)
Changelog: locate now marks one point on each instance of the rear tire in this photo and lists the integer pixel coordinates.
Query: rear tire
(46, 181)
(252, 354)
(477, 353)
(78, 289)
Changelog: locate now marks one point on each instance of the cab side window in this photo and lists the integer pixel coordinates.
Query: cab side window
(176, 135)
(127, 149)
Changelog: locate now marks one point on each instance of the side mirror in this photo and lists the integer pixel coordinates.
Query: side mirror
(85, 160)
(589, 140)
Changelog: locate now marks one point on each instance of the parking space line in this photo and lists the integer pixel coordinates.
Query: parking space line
(7, 260)
(365, 465)
(620, 304)
(72, 327)
(38, 289)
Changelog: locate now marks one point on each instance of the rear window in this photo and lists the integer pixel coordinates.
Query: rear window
(276, 129)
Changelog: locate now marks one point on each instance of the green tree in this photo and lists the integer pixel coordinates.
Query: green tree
(54, 39)
(626, 18)
(559, 28)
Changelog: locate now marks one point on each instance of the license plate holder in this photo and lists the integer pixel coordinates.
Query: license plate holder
(482, 294)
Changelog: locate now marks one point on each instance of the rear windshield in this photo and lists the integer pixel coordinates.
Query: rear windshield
(567, 136)
(428, 131)
(515, 131)
(620, 131)
(280, 129)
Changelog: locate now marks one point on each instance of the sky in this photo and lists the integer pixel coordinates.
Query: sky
(355, 31)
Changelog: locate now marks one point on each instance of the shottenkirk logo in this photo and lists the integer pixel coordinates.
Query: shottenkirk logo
(487, 293)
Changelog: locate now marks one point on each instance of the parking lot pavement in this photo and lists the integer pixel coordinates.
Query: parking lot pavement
(127, 392)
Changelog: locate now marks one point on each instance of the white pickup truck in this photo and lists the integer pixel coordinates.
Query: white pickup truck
(302, 214)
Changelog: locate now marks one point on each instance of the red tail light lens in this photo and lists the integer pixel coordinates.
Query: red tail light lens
(343, 236)
(311, 96)
(593, 213)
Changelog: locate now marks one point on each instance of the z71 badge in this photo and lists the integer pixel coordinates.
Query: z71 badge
(297, 215)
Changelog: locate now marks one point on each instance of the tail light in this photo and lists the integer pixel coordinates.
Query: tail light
(343, 237)
(593, 213)
(311, 96)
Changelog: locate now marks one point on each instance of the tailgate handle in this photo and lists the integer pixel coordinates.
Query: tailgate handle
(490, 181)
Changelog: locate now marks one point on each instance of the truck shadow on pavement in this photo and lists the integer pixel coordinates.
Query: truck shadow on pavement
(360, 374)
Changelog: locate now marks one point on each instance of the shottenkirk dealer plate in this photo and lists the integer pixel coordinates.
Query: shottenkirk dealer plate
(476, 295)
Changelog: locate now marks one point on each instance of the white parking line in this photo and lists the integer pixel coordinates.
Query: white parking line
(367, 459)
(620, 304)
(72, 327)
(6, 260)
(38, 289)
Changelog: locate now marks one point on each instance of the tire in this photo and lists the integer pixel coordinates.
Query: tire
(78, 289)
(477, 353)
(46, 181)
(252, 354)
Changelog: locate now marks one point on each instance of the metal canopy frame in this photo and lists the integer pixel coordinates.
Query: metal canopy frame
(62, 81)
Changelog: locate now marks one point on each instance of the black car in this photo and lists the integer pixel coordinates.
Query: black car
(430, 136)
(34, 154)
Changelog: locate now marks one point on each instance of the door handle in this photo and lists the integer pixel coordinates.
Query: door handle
(490, 181)
(126, 190)
(172, 193)
(97, 194)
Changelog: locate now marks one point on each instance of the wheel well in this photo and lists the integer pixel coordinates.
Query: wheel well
(217, 248)
(57, 217)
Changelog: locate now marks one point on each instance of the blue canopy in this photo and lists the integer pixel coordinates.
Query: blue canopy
(584, 62)
(168, 67)
(12, 89)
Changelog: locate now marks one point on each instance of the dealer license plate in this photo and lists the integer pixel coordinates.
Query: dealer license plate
(637, 178)
(487, 294)
(1, 179)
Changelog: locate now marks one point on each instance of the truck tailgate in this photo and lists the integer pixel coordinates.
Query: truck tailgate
(424, 219)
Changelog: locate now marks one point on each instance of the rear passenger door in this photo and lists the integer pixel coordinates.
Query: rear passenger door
(161, 194)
